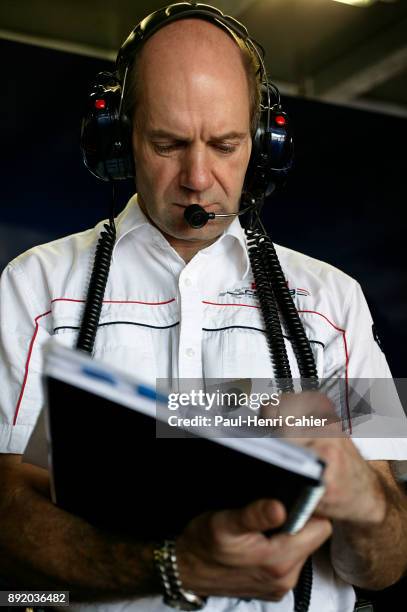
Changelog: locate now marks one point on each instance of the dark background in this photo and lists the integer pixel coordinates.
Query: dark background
(344, 203)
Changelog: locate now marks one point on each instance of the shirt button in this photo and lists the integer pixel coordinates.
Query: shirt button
(190, 352)
(188, 282)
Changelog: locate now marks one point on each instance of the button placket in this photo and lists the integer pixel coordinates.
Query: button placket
(190, 337)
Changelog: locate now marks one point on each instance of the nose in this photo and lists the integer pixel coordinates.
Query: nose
(196, 171)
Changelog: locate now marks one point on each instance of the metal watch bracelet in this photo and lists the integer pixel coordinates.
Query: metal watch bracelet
(175, 596)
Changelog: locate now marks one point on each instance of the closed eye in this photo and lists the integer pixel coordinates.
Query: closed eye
(224, 147)
(167, 148)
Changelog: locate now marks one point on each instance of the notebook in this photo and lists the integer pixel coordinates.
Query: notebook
(112, 464)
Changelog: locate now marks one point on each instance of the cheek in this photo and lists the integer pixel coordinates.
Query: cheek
(231, 174)
(240, 163)
(153, 172)
(164, 177)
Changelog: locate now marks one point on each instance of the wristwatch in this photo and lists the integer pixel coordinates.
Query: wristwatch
(175, 596)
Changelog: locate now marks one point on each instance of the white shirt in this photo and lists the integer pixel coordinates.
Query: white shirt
(162, 318)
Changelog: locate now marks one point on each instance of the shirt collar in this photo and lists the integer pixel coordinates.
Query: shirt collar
(132, 218)
(233, 234)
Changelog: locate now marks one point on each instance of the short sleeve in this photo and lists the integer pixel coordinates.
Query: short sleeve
(371, 384)
(366, 358)
(23, 331)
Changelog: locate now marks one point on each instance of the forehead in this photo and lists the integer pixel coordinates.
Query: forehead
(193, 67)
(190, 35)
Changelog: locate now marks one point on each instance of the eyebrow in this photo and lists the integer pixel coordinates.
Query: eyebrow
(233, 135)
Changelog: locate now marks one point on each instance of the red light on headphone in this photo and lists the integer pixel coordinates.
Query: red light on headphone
(100, 104)
(280, 120)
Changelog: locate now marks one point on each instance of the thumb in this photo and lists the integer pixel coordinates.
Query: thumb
(261, 515)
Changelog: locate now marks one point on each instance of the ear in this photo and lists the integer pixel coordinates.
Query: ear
(106, 134)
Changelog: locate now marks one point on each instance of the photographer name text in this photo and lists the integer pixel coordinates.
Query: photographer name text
(246, 421)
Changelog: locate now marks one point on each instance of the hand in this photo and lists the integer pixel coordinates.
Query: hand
(354, 491)
(309, 414)
(226, 553)
(353, 488)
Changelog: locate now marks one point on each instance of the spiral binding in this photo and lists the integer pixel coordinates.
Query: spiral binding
(97, 286)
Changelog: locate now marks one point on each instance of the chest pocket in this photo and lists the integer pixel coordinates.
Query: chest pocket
(235, 345)
(126, 339)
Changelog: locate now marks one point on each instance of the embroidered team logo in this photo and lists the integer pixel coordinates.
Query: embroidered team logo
(240, 292)
(299, 291)
(250, 292)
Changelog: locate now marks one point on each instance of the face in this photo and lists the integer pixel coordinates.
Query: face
(191, 135)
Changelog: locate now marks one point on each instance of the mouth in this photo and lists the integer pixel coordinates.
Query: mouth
(212, 207)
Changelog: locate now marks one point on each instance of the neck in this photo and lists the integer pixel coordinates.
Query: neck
(187, 249)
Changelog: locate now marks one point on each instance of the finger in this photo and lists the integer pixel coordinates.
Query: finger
(285, 581)
(308, 414)
(315, 531)
(258, 516)
(295, 548)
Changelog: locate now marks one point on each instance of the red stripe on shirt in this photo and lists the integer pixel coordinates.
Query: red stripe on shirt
(30, 349)
(27, 363)
(339, 329)
(345, 346)
(116, 301)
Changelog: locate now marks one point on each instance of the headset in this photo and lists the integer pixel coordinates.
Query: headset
(106, 129)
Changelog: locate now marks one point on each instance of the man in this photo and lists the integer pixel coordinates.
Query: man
(162, 314)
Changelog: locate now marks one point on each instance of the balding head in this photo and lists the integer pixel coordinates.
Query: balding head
(187, 48)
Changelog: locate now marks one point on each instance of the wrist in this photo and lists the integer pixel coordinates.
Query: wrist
(175, 595)
(379, 498)
(369, 508)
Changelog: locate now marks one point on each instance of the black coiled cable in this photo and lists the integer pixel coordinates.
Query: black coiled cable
(97, 285)
(300, 343)
(302, 591)
(265, 292)
(275, 301)
(96, 291)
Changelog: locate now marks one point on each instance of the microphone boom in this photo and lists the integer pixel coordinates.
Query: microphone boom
(197, 217)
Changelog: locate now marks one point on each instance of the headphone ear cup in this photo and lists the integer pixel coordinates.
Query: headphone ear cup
(272, 153)
(106, 134)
